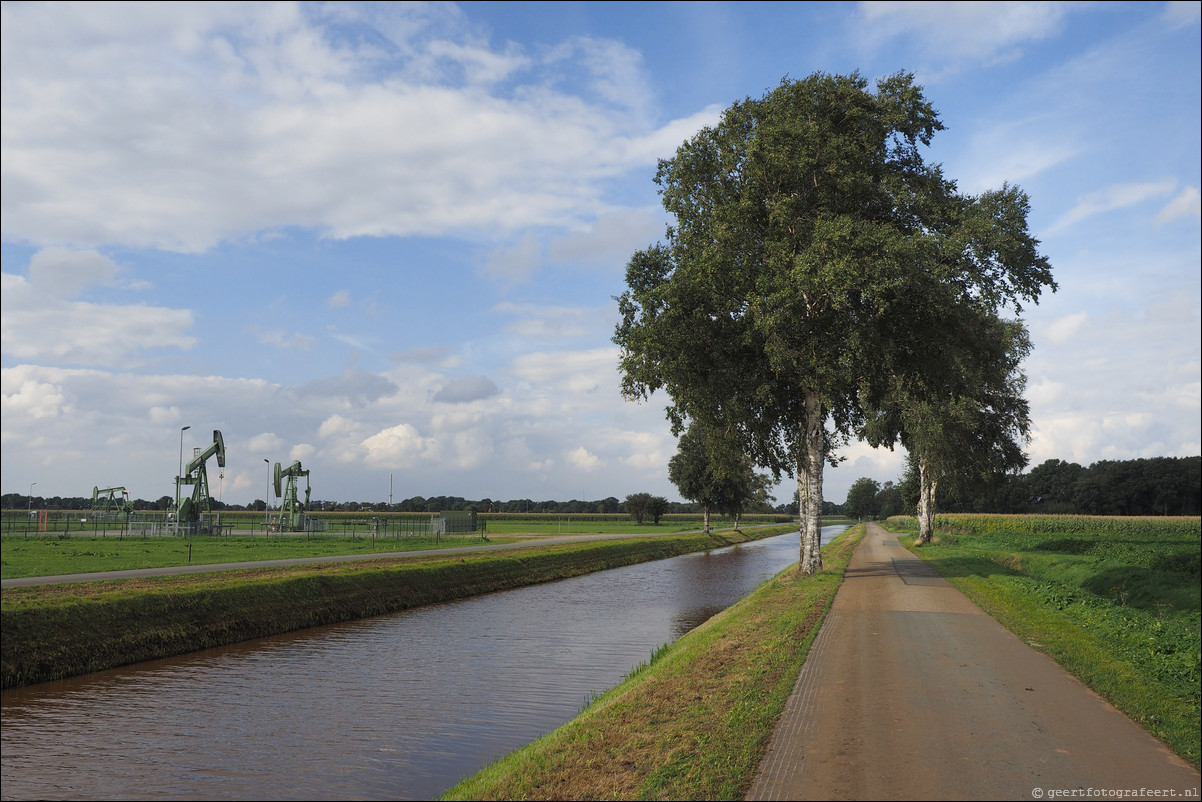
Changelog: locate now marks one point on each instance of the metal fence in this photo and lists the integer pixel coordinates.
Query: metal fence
(147, 524)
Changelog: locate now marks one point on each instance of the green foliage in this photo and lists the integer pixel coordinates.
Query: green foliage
(861, 498)
(811, 262)
(643, 506)
(709, 468)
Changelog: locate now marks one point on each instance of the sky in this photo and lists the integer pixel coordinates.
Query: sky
(384, 239)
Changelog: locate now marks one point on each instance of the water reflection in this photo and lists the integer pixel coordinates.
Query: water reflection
(394, 707)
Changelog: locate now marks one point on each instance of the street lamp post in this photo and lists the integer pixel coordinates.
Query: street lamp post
(31, 484)
(179, 475)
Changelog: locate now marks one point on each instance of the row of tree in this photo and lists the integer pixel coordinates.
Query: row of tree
(820, 281)
(1156, 486)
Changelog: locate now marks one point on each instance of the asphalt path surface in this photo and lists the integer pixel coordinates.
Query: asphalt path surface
(392, 555)
(910, 691)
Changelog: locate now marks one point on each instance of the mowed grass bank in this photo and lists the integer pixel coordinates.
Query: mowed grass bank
(1116, 601)
(43, 555)
(55, 631)
(695, 722)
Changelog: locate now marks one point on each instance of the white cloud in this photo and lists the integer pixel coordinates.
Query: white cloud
(265, 443)
(64, 272)
(1112, 198)
(31, 399)
(1065, 328)
(575, 372)
(1187, 204)
(984, 32)
(180, 130)
(581, 458)
(43, 328)
(339, 299)
(301, 452)
(398, 447)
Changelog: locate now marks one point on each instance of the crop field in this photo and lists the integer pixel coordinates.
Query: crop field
(1116, 601)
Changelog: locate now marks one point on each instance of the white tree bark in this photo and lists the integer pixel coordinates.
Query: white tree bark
(926, 502)
(809, 484)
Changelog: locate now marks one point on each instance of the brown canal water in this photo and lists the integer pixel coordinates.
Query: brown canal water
(400, 706)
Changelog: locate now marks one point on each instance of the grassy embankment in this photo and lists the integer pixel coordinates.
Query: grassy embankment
(50, 554)
(695, 722)
(54, 631)
(1115, 601)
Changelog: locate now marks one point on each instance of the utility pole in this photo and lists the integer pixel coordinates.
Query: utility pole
(179, 476)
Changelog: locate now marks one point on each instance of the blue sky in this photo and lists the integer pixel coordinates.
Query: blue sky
(384, 239)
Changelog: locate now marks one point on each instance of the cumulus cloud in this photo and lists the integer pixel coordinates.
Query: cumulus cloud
(52, 330)
(180, 129)
(581, 458)
(398, 447)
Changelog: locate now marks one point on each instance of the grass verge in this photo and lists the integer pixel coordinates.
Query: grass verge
(695, 722)
(51, 555)
(1088, 603)
(55, 631)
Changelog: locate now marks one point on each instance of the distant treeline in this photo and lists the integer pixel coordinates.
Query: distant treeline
(1157, 486)
(416, 504)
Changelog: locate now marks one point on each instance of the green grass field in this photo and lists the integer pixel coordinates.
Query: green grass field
(51, 554)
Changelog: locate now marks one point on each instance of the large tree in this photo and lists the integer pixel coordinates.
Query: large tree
(710, 469)
(861, 498)
(809, 239)
(964, 419)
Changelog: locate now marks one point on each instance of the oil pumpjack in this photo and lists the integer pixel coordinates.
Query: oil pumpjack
(110, 503)
(190, 509)
(292, 511)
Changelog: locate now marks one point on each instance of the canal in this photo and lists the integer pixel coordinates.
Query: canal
(399, 706)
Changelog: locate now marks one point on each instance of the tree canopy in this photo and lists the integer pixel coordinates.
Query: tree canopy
(711, 469)
(811, 254)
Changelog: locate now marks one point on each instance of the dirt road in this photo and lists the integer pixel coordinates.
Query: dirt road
(911, 692)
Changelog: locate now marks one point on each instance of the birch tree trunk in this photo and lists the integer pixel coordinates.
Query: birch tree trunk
(706, 507)
(809, 484)
(926, 502)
